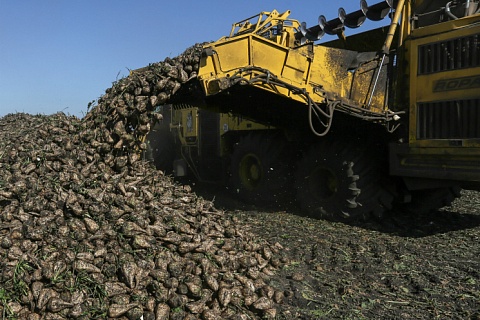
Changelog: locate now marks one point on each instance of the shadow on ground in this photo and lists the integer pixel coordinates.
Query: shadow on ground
(460, 216)
(407, 224)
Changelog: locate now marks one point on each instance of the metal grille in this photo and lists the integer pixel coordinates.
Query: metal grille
(449, 55)
(449, 120)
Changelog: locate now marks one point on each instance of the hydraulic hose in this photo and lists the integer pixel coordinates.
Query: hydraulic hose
(449, 12)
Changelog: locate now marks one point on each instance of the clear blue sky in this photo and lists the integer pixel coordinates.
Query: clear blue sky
(57, 55)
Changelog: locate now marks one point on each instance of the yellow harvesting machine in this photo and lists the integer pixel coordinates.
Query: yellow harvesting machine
(349, 127)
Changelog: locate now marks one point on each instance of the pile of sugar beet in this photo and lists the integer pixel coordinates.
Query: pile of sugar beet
(90, 230)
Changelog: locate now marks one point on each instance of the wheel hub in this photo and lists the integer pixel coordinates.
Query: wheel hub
(324, 182)
(250, 171)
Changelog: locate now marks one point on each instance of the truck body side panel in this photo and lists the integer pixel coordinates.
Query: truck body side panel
(444, 103)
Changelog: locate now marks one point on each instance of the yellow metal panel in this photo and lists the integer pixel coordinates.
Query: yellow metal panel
(320, 71)
(268, 55)
(325, 71)
(230, 122)
(467, 143)
(330, 70)
(444, 27)
(422, 87)
(445, 163)
(207, 68)
(450, 83)
(296, 66)
(190, 121)
(233, 54)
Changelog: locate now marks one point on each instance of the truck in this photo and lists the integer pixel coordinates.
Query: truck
(348, 128)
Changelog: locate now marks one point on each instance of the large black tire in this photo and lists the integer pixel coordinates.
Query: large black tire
(161, 149)
(343, 181)
(260, 169)
(425, 201)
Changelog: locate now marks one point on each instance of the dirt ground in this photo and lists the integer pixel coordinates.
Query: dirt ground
(406, 267)
(60, 260)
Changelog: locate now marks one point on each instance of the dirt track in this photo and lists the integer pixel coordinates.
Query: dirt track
(406, 267)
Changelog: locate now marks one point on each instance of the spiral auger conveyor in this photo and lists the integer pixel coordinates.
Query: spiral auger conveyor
(352, 20)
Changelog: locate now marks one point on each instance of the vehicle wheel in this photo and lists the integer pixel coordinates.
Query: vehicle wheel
(260, 171)
(342, 182)
(424, 201)
(161, 149)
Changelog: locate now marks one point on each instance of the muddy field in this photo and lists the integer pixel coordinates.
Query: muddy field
(405, 267)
